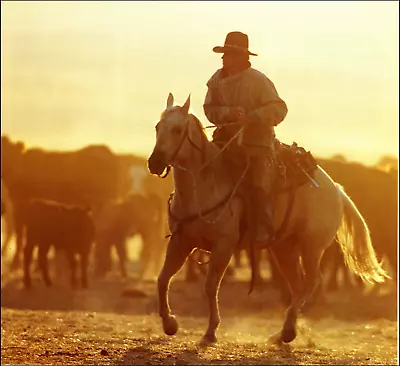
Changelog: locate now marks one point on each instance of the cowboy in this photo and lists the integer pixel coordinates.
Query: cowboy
(240, 96)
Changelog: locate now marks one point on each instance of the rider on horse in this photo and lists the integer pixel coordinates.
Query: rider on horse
(240, 96)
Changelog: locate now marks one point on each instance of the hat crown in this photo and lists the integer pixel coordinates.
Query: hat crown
(235, 42)
(238, 39)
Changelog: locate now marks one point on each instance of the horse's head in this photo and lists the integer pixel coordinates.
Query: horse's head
(171, 132)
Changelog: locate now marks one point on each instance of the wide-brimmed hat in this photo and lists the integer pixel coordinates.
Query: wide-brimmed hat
(236, 42)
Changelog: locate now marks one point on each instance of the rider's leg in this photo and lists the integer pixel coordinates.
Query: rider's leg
(261, 180)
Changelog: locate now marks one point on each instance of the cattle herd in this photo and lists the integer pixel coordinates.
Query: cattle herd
(81, 204)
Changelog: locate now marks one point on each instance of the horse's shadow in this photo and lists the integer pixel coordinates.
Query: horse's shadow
(163, 351)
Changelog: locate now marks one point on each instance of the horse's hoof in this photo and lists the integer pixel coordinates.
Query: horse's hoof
(208, 339)
(275, 339)
(170, 325)
(288, 335)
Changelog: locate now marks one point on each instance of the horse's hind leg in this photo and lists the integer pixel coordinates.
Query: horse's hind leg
(287, 259)
(220, 258)
(312, 274)
(175, 257)
(302, 282)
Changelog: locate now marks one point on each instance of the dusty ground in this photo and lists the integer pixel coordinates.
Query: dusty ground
(115, 322)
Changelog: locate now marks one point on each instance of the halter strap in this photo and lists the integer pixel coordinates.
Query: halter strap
(185, 134)
(176, 152)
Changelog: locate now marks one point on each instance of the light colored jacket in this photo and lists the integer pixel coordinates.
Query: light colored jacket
(256, 94)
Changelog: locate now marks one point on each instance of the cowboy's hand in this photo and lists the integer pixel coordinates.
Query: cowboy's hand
(235, 113)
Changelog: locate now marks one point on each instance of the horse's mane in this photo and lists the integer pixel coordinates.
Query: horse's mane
(200, 125)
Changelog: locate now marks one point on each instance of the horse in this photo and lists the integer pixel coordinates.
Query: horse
(205, 213)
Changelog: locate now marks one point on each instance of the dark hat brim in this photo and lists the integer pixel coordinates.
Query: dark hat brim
(224, 49)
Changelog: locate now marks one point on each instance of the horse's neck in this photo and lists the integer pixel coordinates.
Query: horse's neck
(201, 178)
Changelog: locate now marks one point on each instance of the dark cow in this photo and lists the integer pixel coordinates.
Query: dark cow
(375, 192)
(135, 179)
(89, 176)
(66, 228)
(137, 214)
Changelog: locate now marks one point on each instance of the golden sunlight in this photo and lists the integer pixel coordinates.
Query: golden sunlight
(81, 72)
(146, 237)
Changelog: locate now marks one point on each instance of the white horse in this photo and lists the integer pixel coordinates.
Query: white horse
(205, 213)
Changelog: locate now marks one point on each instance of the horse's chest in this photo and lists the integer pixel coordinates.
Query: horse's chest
(199, 235)
(200, 230)
(210, 228)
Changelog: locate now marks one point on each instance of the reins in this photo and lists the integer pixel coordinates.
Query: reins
(202, 214)
(186, 134)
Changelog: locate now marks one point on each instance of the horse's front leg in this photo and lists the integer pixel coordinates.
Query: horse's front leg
(220, 257)
(177, 252)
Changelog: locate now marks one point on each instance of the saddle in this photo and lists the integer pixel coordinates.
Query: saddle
(295, 167)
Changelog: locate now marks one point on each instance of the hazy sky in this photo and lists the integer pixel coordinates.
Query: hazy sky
(75, 73)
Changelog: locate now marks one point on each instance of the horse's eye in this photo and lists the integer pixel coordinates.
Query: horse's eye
(177, 130)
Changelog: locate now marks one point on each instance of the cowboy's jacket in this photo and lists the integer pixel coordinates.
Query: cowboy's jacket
(256, 94)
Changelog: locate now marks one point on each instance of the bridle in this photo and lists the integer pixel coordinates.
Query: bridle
(225, 201)
(179, 147)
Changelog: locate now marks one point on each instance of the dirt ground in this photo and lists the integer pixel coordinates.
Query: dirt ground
(116, 322)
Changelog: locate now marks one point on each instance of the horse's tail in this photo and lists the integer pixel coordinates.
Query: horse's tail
(355, 242)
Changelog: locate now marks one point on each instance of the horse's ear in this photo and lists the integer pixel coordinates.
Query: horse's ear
(170, 100)
(185, 107)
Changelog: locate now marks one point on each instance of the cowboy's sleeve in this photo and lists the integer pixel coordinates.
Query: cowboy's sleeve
(273, 109)
(214, 112)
